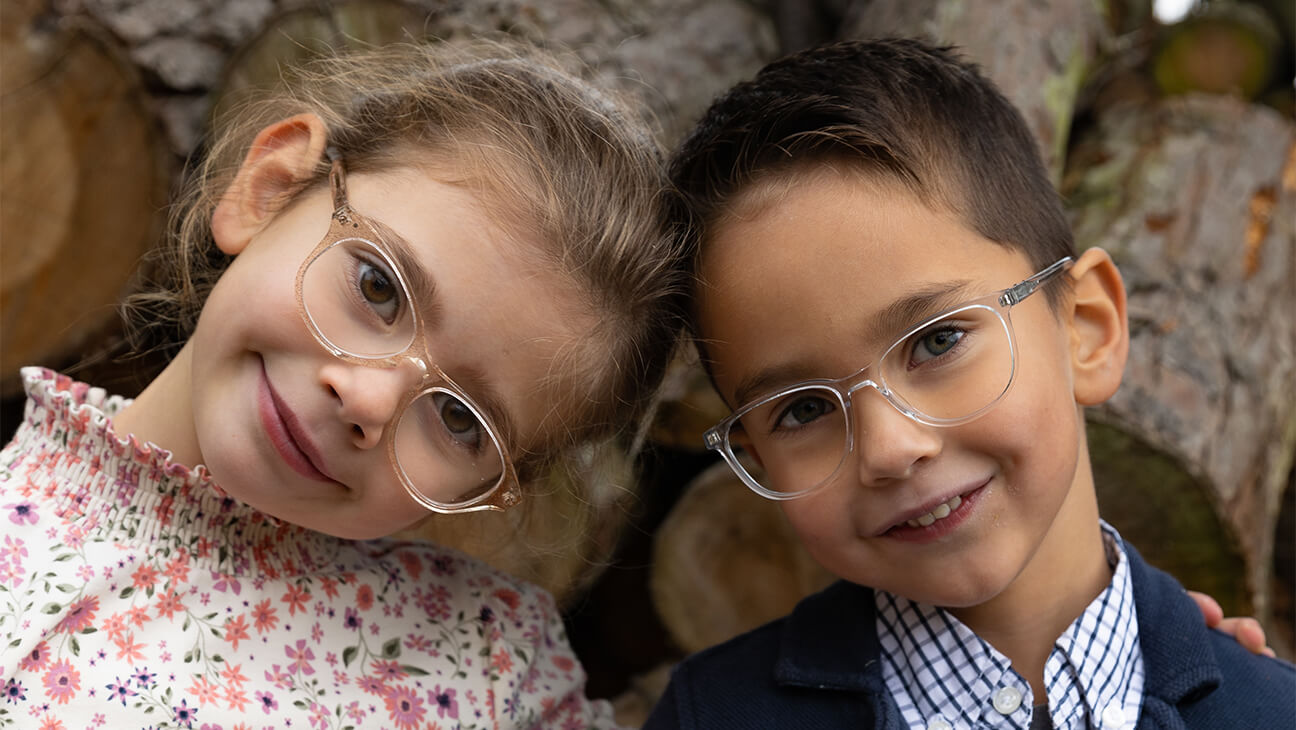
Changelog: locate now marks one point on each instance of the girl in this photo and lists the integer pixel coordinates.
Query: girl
(444, 278)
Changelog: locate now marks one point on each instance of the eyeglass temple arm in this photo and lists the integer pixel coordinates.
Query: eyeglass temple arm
(1026, 288)
(337, 180)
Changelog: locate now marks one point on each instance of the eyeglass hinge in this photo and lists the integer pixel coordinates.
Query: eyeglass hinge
(1018, 293)
(343, 215)
(712, 440)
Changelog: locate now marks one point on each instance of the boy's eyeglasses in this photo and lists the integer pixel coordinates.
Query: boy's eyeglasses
(355, 301)
(948, 370)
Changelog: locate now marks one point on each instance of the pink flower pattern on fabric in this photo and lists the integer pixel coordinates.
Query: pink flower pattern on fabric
(135, 593)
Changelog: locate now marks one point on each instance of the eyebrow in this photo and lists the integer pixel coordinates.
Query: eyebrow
(894, 320)
(903, 314)
(763, 381)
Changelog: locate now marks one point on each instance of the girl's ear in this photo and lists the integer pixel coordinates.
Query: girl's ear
(1099, 328)
(282, 154)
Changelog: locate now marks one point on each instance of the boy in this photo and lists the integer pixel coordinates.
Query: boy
(878, 211)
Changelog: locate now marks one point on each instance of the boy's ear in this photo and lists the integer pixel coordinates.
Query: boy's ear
(282, 154)
(1099, 328)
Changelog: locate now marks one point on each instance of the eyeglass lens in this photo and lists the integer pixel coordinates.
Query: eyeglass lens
(945, 370)
(358, 303)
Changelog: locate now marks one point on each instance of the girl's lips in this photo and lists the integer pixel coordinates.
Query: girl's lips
(960, 507)
(286, 434)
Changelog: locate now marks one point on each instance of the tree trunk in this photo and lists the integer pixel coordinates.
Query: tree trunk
(1195, 198)
(83, 179)
(726, 561)
(1038, 53)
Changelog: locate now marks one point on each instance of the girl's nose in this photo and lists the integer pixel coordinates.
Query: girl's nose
(368, 396)
(888, 444)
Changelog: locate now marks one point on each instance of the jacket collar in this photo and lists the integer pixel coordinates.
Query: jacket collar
(1178, 660)
(830, 642)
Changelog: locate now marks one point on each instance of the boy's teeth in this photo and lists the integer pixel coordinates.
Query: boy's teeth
(939, 513)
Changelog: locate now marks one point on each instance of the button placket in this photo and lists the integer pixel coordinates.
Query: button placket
(1006, 700)
(1113, 717)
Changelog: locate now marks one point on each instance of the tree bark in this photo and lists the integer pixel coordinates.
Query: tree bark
(1195, 197)
(1038, 53)
(726, 561)
(83, 179)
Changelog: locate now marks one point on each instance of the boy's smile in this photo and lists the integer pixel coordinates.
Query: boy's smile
(810, 278)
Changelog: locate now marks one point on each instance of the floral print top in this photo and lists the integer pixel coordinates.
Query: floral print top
(135, 594)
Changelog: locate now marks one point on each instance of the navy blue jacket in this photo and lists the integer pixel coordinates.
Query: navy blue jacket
(820, 668)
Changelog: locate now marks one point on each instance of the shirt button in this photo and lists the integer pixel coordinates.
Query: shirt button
(1113, 717)
(937, 723)
(1007, 700)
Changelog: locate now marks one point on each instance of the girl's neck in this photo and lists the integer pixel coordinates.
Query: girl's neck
(1068, 571)
(162, 413)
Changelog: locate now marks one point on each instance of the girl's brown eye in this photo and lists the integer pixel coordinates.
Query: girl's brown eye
(459, 422)
(457, 417)
(376, 287)
(379, 289)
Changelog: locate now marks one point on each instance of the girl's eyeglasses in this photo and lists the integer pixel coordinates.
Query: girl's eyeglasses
(354, 299)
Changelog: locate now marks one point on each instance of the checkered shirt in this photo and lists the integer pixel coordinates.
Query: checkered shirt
(944, 677)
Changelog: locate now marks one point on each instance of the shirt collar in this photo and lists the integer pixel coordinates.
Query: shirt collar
(938, 671)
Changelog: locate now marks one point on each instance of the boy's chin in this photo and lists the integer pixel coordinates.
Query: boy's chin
(953, 600)
(945, 593)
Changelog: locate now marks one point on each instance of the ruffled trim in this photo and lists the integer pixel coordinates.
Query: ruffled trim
(125, 488)
(57, 402)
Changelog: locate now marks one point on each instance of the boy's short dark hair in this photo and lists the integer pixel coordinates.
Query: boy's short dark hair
(911, 112)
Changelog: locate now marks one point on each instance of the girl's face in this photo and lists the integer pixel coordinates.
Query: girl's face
(299, 434)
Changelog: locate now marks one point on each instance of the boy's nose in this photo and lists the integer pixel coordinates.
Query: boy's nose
(368, 396)
(888, 444)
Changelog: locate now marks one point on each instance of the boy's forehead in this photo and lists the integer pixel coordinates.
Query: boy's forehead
(830, 264)
(784, 222)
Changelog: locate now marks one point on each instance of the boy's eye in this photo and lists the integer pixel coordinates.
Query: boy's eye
(804, 410)
(934, 343)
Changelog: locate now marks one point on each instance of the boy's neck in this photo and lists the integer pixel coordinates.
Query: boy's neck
(1066, 574)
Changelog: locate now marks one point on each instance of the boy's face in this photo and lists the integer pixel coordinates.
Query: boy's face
(797, 287)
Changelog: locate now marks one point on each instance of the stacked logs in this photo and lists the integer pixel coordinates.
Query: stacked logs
(1193, 195)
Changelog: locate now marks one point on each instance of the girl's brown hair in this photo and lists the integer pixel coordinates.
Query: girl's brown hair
(569, 165)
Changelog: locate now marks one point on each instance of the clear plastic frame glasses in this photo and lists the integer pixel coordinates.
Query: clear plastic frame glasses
(357, 303)
(948, 370)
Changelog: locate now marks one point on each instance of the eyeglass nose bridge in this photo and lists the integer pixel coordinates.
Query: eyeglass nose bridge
(394, 362)
(424, 372)
(849, 393)
(848, 396)
(419, 363)
(410, 383)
